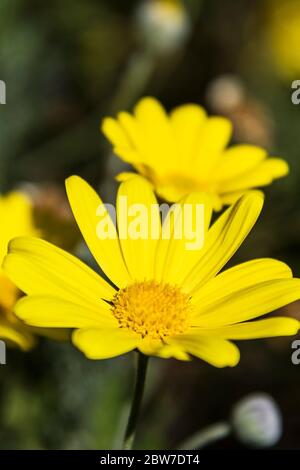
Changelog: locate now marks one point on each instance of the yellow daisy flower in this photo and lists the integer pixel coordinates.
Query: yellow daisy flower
(16, 219)
(16, 215)
(186, 152)
(163, 298)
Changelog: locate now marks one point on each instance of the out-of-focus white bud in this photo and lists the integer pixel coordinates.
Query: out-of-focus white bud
(164, 25)
(252, 122)
(226, 93)
(256, 420)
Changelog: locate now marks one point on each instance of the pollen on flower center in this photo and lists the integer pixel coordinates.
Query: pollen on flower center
(152, 309)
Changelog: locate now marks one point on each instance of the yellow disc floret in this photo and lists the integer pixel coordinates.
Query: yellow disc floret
(152, 309)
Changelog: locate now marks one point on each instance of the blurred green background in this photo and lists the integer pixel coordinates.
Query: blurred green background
(67, 64)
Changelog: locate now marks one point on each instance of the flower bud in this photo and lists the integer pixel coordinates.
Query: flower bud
(256, 420)
(164, 25)
(226, 93)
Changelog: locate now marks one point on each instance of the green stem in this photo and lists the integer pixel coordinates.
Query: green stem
(141, 371)
(206, 436)
(136, 77)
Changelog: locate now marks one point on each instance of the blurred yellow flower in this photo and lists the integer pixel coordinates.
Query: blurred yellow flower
(16, 215)
(163, 299)
(283, 36)
(16, 219)
(187, 152)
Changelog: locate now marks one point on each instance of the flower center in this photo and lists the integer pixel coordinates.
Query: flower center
(152, 309)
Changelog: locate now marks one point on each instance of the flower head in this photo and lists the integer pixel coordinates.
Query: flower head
(186, 151)
(257, 420)
(16, 220)
(164, 25)
(163, 298)
(16, 214)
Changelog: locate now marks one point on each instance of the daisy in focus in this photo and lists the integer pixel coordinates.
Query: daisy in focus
(186, 151)
(162, 299)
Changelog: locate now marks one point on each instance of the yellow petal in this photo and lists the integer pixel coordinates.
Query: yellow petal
(105, 343)
(151, 347)
(251, 302)
(134, 133)
(186, 121)
(216, 351)
(237, 160)
(223, 239)
(126, 137)
(115, 133)
(174, 192)
(8, 293)
(39, 268)
(263, 175)
(22, 339)
(171, 192)
(104, 246)
(172, 351)
(278, 326)
(16, 217)
(240, 277)
(232, 198)
(159, 143)
(124, 176)
(149, 112)
(139, 226)
(277, 167)
(212, 140)
(51, 312)
(181, 241)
